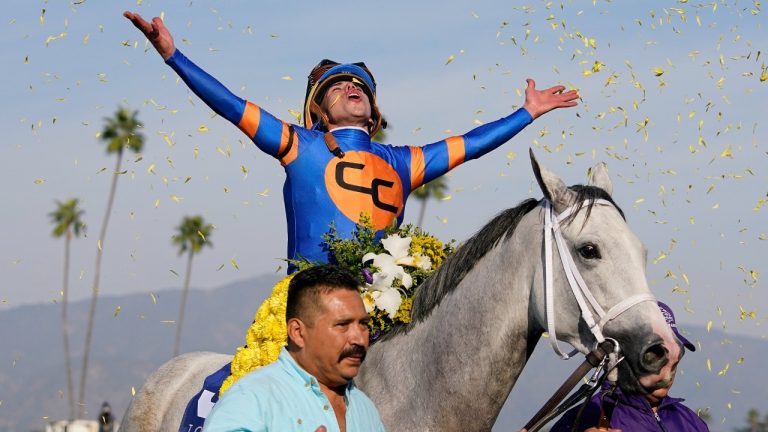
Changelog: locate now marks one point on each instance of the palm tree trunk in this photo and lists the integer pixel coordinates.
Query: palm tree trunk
(95, 290)
(421, 213)
(65, 327)
(183, 305)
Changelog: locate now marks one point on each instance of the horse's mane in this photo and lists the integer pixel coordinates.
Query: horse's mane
(453, 270)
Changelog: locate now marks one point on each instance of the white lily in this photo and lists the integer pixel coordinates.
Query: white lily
(390, 265)
(388, 300)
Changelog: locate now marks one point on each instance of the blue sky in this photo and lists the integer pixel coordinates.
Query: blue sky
(693, 188)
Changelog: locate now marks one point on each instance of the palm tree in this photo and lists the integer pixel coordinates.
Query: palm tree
(67, 223)
(120, 132)
(435, 189)
(192, 235)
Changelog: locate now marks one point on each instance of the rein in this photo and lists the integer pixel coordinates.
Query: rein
(606, 354)
(595, 359)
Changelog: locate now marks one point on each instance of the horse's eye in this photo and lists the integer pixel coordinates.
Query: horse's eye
(590, 251)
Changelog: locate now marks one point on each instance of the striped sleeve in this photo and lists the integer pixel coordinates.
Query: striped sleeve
(266, 131)
(433, 160)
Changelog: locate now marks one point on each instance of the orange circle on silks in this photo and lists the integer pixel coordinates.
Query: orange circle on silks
(363, 182)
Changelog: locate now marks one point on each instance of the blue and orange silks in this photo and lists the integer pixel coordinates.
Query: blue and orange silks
(321, 189)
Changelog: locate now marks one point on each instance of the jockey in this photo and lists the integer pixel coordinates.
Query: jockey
(334, 171)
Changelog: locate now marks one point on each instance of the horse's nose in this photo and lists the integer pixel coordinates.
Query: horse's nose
(654, 357)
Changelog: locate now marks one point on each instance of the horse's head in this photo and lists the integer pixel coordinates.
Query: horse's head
(610, 259)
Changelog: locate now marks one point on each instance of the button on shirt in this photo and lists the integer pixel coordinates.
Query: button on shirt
(284, 397)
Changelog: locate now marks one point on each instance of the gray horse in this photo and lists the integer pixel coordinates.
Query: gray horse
(476, 321)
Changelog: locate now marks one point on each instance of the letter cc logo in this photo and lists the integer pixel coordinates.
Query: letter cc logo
(364, 182)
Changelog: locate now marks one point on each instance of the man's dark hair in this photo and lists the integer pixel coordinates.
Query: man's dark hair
(306, 286)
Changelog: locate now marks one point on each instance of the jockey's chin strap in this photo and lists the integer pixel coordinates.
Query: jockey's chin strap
(581, 292)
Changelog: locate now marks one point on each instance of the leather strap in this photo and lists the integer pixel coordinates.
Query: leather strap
(332, 145)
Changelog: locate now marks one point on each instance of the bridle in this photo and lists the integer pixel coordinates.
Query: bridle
(581, 291)
(605, 356)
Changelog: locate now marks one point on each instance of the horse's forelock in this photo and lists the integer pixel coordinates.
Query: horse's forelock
(590, 194)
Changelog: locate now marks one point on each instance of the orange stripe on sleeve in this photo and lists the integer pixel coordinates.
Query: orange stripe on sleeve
(455, 151)
(249, 123)
(417, 167)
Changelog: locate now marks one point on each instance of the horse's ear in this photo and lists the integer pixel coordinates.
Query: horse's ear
(598, 177)
(553, 188)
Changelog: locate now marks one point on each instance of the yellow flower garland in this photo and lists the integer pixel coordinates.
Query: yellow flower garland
(267, 334)
(265, 338)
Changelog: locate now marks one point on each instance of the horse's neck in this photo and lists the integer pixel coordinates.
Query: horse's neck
(473, 346)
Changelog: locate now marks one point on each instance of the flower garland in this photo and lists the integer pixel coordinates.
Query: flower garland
(389, 271)
(266, 336)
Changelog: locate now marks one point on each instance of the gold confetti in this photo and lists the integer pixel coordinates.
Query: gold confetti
(744, 314)
(287, 78)
(709, 364)
(52, 38)
(133, 391)
(98, 244)
(234, 264)
(657, 71)
(117, 310)
(709, 326)
(724, 370)
(39, 181)
(174, 272)
(151, 169)
(154, 298)
(450, 59)
(226, 153)
(202, 128)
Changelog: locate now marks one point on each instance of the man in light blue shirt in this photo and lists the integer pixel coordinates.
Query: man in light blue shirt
(309, 387)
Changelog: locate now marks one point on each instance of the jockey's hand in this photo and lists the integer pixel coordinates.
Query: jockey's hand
(156, 32)
(540, 102)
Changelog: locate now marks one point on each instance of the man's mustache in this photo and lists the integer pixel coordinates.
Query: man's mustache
(353, 351)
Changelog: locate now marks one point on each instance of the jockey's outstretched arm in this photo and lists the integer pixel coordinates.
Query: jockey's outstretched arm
(433, 160)
(267, 132)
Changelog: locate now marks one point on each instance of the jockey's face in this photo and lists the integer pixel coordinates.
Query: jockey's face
(336, 342)
(346, 104)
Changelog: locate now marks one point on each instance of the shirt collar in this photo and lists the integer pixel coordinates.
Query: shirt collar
(286, 360)
(349, 127)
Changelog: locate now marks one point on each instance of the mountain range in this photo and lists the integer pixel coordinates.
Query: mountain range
(134, 335)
